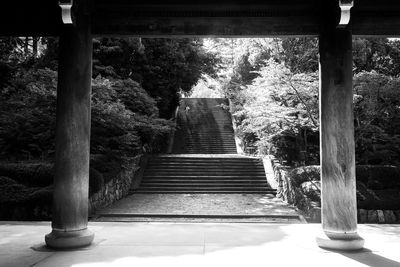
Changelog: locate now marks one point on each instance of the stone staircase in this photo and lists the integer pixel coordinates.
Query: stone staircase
(221, 174)
(204, 180)
(204, 158)
(204, 126)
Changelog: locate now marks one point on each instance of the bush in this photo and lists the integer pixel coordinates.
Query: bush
(124, 117)
(123, 126)
(378, 177)
(30, 174)
(96, 181)
(42, 196)
(27, 115)
(304, 174)
(6, 181)
(15, 193)
(377, 186)
(40, 174)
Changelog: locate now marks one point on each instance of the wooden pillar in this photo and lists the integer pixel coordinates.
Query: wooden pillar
(338, 194)
(71, 182)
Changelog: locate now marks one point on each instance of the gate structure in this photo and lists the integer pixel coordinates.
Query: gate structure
(77, 21)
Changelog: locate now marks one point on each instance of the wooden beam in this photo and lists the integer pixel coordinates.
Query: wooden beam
(210, 18)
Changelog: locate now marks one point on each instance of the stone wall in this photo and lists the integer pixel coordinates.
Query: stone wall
(293, 194)
(118, 187)
(378, 216)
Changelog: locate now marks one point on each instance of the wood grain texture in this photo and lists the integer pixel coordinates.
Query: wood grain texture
(203, 18)
(71, 181)
(339, 212)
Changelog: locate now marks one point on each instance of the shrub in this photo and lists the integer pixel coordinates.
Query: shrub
(124, 117)
(378, 177)
(6, 181)
(31, 174)
(96, 181)
(15, 193)
(42, 196)
(377, 186)
(304, 174)
(27, 115)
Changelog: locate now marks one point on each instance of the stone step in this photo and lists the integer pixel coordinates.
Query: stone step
(208, 145)
(208, 176)
(264, 189)
(205, 185)
(201, 161)
(202, 164)
(196, 171)
(195, 218)
(228, 152)
(211, 181)
(210, 140)
(221, 190)
(204, 132)
(199, 167)
(204, 172)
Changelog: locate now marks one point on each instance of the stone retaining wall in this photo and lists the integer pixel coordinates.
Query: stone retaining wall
(293, 195)
(312, 209)
(378, 216)
(116, 188)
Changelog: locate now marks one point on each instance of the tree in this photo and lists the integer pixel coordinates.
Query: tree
(379, 54)
(281, 110)
(162, 66)
(377, 118)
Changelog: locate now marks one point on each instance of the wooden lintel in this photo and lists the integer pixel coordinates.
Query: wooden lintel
(209, 18)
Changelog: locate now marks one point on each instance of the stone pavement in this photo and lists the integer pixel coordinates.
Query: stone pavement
(255, 206)
(176, 244)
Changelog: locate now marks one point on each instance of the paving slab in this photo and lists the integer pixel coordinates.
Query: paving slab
(201, 205)
(193, 244)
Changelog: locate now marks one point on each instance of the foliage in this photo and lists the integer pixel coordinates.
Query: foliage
(121, 130)
(29, 173)
(27, 115)
(377, 187)
(274, 92)
(291, 113)
(124, 117)
(161, 66)
(300, 55)
(377, 54)
(377, 118)
(303, 174)
(206, 87)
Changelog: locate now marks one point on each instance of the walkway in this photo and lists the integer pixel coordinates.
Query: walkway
(200, 207)
(169, 244)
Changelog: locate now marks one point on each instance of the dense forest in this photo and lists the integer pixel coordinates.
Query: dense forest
(135, 89)
(273, 87)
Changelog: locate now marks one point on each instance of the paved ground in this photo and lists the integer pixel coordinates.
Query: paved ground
(172, 244)
(229, 205)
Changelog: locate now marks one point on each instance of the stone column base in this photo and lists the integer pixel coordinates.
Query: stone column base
(344, 244)
(70, 239)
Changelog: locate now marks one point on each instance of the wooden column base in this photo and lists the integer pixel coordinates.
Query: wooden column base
(340, 241)
(70, 239)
